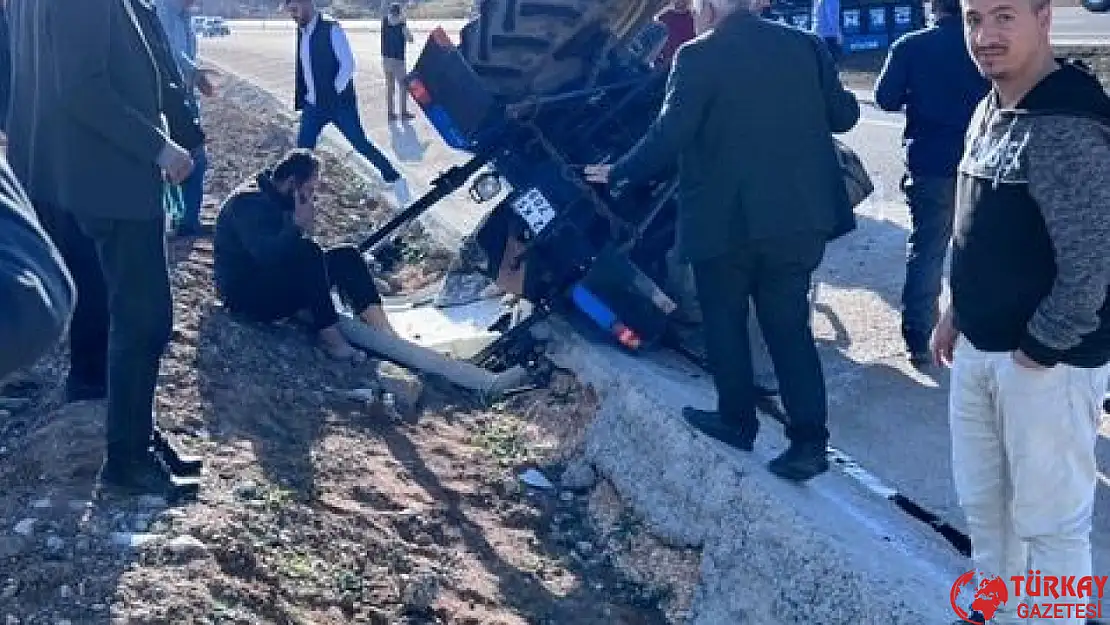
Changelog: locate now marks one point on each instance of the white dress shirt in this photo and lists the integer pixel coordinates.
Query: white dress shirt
(342, 48)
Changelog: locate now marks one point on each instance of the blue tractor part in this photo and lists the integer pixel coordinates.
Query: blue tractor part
(554, 239)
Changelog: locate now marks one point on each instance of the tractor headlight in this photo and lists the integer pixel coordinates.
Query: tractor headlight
(485, 187)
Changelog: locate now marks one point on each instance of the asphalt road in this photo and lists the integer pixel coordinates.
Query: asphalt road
(1071, 25)
(889, 417)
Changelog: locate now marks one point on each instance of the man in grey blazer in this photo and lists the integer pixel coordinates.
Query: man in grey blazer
(89, 143)
(750, 110)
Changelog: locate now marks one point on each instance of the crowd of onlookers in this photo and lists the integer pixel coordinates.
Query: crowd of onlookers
(1006, 169)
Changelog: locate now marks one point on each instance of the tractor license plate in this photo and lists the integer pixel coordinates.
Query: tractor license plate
(534, 209)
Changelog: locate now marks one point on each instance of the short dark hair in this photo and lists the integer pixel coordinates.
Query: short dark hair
(300, 164)
(395, 8)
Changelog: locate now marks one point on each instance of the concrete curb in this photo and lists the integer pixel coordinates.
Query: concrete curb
(772, 552)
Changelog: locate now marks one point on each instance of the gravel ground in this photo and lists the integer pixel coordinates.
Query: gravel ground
(315, 509)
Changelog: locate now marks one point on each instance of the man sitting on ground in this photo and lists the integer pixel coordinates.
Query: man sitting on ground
(267, 266)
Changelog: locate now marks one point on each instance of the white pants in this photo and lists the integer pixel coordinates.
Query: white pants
(1023, 458)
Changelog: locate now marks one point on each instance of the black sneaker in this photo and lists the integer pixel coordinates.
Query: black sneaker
(800, 463)
(710, 423)
(145, 476)
(1106, 404)
(177, 461)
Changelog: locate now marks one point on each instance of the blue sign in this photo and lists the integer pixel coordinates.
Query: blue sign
(876, 18)
(850, 21)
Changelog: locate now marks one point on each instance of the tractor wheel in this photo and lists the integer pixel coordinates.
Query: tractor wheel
(534, 47)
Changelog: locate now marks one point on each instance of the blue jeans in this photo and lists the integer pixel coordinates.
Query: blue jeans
(932, 203)
(346, 119)
(192, 190)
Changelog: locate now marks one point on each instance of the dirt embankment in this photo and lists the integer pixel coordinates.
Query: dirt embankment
(314, 509)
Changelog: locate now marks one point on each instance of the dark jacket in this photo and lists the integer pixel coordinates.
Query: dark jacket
(1031, 253)
(749, 114)
(86, 127)
(255, 233)
(36, 290)
(325, 69)
(930, 74)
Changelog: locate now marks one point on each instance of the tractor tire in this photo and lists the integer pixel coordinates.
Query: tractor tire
(522, 48)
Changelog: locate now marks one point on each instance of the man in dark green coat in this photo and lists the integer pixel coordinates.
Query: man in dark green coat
(88, 143)
(749, 112)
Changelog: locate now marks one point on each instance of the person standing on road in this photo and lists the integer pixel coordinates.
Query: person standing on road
(752, 228)
(930, 75)
(1027, 333)
(325, 91)
(88, 143)
(177, 22)
(395, 36)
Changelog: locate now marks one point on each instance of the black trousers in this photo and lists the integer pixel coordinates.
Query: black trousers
(304, 282)
(123, 318)
(776, 274)
(88, 330)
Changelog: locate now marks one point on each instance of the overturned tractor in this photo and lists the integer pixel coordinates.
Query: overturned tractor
(534, 91)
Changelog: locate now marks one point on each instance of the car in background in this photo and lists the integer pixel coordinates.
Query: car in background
(1097, 6)
(208, 26)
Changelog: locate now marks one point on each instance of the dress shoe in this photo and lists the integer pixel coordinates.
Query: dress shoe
(144, 475)
(710, 423)
(800, 463)
(178, 462)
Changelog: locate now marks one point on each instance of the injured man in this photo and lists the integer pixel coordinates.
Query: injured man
(268, 268)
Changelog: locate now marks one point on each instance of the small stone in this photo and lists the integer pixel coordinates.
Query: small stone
(418, 592)
(64, 592)
(246, 490)
(566, 496)
(99, 607)
(187, 547)
(82, 545)
(579, 476)
(63, 621)
(11, 546)
(141, 523)
(585, 547)
(41, 504)
(405, 386)
(54, 543)
(25, 527)
(11, 620)
(10, 589)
